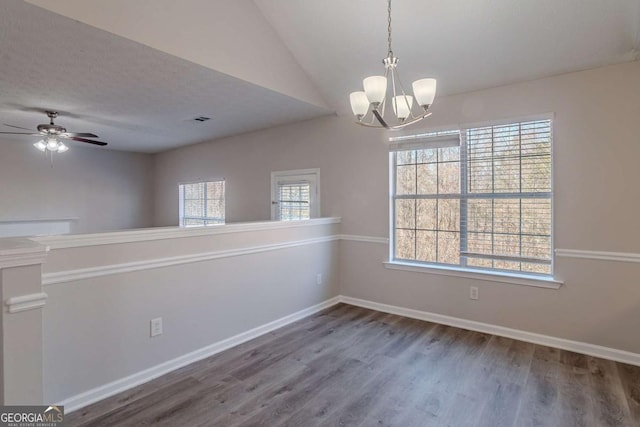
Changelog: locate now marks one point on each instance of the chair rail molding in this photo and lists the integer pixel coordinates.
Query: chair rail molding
(26, 302)
(91, 272)
(598, 255)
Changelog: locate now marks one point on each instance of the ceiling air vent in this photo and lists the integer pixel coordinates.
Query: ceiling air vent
(202, 119)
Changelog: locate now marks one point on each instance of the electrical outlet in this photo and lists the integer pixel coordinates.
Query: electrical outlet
(319, 279)
(156, 326)
(473, 292)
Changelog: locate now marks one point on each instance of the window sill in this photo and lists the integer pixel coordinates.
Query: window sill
(490, 276)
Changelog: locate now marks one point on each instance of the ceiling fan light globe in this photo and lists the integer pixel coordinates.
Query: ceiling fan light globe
(52, 144)
(62, 148)
(375, 87)
(40, 145)
(425, 91)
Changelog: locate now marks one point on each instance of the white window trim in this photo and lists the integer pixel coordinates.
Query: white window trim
(543, 281)
(484, 275)
(315, 211)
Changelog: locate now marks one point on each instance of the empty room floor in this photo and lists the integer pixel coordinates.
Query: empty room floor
(352, 366)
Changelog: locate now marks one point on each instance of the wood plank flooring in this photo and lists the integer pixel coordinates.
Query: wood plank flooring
(349, 366)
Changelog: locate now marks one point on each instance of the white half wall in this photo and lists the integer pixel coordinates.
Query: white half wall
(91, 189)
(207, 288)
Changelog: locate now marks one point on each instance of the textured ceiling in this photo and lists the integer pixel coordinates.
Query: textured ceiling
(467, 45)
(134, 97)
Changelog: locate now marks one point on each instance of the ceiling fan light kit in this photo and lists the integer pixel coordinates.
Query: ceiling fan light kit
(369, 106)
(52, 136)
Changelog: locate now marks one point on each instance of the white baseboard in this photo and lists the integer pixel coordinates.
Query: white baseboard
(91, 396)
(561, 343)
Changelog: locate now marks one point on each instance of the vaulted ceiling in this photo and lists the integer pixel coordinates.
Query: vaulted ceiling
(137, 72)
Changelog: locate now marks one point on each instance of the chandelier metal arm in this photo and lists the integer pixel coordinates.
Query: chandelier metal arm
(380, 119)
(398, 126)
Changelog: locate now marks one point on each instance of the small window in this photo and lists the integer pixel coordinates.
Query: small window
(202, 203)
(294, 195)
(477, 198)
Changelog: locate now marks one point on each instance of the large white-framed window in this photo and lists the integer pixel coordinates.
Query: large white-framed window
(476, 198)
(202, 203)
(295, 194)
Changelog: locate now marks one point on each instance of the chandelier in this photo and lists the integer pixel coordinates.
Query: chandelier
(370, 106)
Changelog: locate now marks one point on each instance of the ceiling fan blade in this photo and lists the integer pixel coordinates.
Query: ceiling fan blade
(20, 133)
(100, 143)
(79, 135)
(17, 127)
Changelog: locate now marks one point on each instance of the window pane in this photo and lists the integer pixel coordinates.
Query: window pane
(506, 244)
(536, 216)
(427, 214)
(480, 243)
(448, 247)
(449, 154)
(428, 178)
(406, 157)
(536, 247)
(480, 215)
(480, 176)
(536, 173)
(506, 175)
(426, 246)
(406, 179)
(449, 178)
(405, 213)
(405, 244)
(507, 216)
(427, 156)
(449, 214)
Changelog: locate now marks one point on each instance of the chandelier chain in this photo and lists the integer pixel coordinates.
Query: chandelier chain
(389, 27)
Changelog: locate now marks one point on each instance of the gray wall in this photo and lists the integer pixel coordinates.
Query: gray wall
(596, 150)
(105, 190)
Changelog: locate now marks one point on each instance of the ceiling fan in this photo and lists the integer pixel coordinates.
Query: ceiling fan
(52, 135)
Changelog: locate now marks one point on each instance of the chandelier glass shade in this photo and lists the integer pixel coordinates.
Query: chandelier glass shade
(370, 106)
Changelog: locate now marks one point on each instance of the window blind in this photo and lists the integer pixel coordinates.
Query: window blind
(294, 201)
(486, 203)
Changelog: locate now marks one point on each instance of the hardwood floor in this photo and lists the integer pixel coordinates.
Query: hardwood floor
(349, 366)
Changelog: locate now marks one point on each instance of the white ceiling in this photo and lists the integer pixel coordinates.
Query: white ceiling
(467, 45)
(135, 73)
